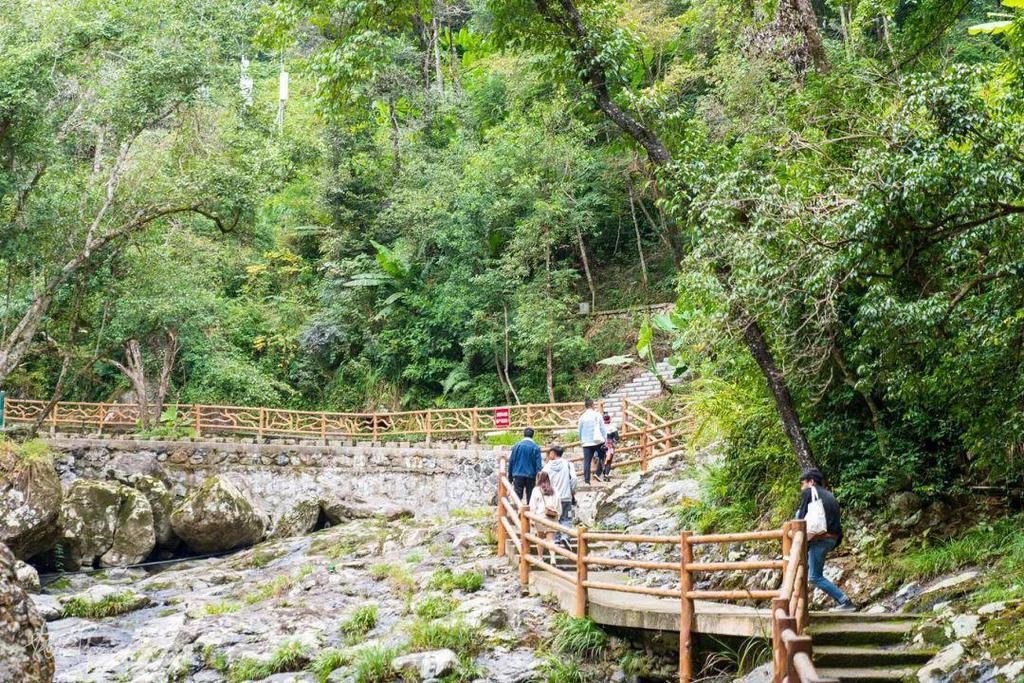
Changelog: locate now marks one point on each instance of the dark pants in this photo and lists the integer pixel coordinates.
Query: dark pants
(566, 518)
(816, 552)
(523, 485)
(589, 454)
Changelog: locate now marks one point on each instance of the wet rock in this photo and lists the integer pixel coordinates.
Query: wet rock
(339, 510)
(220, 515)
(299, 520)
(484, 611)
(427, 664)
(48, 606)
(673, 492)
(27, 576)
(106, 522)
(762, 674)
(964, 625)
(30, 501)
(941, 664)
(25, 653)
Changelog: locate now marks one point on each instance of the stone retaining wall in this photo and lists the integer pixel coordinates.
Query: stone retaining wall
(431, 479)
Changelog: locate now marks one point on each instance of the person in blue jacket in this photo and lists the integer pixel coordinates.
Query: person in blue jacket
(523, 465)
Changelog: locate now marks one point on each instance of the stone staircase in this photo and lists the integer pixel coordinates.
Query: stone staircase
(867, 648)
(641, 388)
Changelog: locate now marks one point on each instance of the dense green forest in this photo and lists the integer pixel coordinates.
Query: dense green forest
(831, 191)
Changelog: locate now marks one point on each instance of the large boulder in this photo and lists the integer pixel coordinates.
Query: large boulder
(161, 501)
(301, 518)
(30, 500)
(339, 510)
(220, 515)
(106, 522)
(25, 653)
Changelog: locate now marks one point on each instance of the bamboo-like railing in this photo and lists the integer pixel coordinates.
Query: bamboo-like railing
(791, 649)
(263, 422)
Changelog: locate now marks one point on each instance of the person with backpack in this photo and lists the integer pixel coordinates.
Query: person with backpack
(820, 509)
(563, 481)
(524, 462)
(592, 437)
(608, 450)
(545, 502)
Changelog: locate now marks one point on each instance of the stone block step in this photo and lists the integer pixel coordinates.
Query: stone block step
(882, 632)
(871, 656)
(869, 674)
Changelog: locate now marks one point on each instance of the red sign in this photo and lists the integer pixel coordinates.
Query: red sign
(501, 418)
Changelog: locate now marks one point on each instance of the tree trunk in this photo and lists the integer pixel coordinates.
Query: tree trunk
(501, 378)
(167, 366)
(395, 149)
(586, 269)
(809, 26)
(876, 414)
(435, 26)
(639, 244)
(759, 349)
(134, 370)
(551, 374)
(508, 377)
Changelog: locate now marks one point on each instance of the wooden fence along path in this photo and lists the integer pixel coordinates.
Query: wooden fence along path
(259, 422)
(527, 534)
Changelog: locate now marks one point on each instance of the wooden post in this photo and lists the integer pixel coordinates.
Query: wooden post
(801, 615)
(581, 572)
(685, 609)
(103, 417)
(644, 447)
(323, 427)
(778, 647)
(501, 535)
(623, 426)
(787, 547)
(374, 418)
(429, 414)
(196, 418)
(524, 548)
(263, 424)
(53, 419)
(475, 425)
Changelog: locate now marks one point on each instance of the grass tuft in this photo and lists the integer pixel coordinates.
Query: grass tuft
(327, 662)
(460, 638)
(578, 637)
(435, 607)
(112, 605)
(373, 665)
(221, 608)
(557, 670)
(447, 581)
(289, 656)
(359, 623)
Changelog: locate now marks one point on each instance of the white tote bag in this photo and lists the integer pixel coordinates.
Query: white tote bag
(816, 522)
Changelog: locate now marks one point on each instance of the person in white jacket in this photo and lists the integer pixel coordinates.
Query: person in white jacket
(592, 437)
(563, 480)
(544, 502)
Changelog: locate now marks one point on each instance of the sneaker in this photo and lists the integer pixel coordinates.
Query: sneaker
(847, 606)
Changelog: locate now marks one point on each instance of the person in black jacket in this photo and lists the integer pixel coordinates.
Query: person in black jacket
(819, 546)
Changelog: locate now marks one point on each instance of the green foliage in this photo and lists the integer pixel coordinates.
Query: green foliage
(981, 545)
(447, 581)
(435, 607)
(112, 605)
(556, 669)
(223, 607)
(289, 656)
(373, 664)
(360, 622)
(427, 634)
(578, 637)
(326, 662)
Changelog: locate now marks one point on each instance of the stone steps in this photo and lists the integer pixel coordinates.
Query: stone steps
(868, 648)
(887, 632)
(869, 675)
(834, 656)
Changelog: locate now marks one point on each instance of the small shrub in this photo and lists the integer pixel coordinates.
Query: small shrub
(112, 605)
(289, 656)
(360, 622)
(434, 635)
(578, 637)
(445, 580)
(215, 659)
(397, 575)
(435, 607)
(221, 608)
(326, 662)
(373, 665)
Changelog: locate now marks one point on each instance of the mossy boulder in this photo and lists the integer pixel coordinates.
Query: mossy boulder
(25, 653)
(219, 515)
(161, 500)
(106, 522)
(30, 499)
(339, 510)
(300, 519)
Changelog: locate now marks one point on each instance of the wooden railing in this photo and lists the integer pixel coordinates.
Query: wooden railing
(791, 650)
(267, 422)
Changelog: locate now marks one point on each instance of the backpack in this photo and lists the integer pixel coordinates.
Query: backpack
(815, 517)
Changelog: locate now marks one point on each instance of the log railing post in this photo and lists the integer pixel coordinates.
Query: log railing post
(800, 526)
(524, 548)
(581, 572)
(474, 422)
(501, 535)
(374, 418)
(644, 447)
(778, 646)
(323, 427)
(53, 419)
(787, 547)
(685, 609)
(262, 426)
(196, 418)
(624, 424)
(103, 417)
(428, 428)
